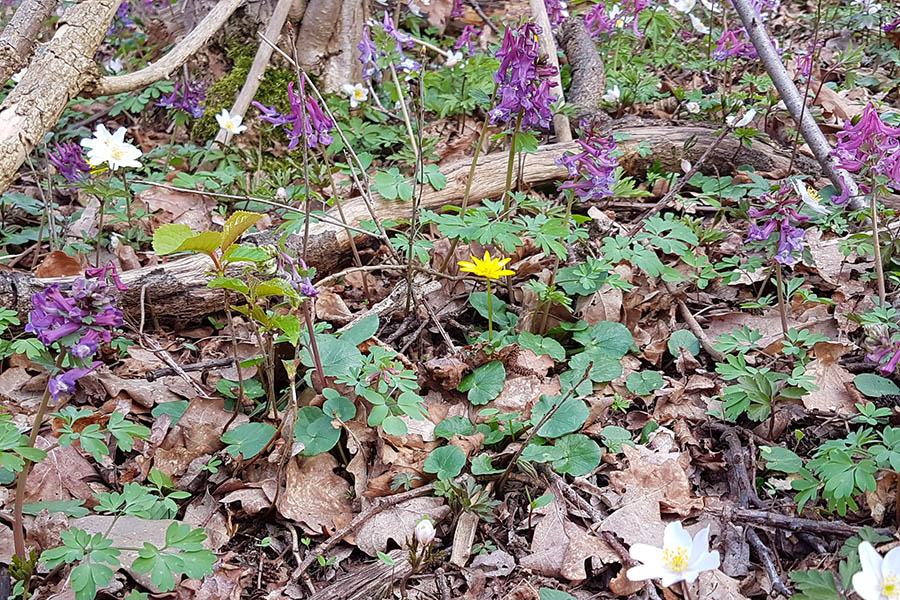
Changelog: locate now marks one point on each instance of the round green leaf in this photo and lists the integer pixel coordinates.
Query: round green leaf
(362, 331)
(569, 417)
(485, 383)
(337, 405)
(446, 462)
(451, 426)
(313, 429)
(607, 338)
(481, 465)
(248, 439)
(604, 368)
(614, 436)
(337, 355)
(551, 594)
(540, 453)
(875, 386)
(683, 338)
(394, 426)
(542, 345)
(581, 455)
(644, 383)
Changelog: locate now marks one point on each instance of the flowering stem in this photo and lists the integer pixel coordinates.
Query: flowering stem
(686, 589)
(314, 348)
(102, 200)
(876, 244)
(782, 308)
(465, 200)
(18, 521)
(409, 129)
(510, 164)
(490, 313)
(237, 359)
(127, 198)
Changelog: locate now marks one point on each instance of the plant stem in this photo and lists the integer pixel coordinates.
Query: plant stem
(307, 314)
(99, 230)
(876, 244)
(406, 120)
(490, 313)
(510, 164)
(471, 177)
(127, 197)
(18, 520)
(237, 360)
(782, 307)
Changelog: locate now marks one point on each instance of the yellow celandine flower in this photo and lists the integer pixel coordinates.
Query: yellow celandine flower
(490, 268)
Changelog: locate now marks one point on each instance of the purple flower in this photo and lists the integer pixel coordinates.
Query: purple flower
(368, 53)
(106, 271)
(892, 26)
(296, 272)
(889, 350)
(557, 11)
(307, 288)
(309, 122)
(870, 143)
(524, 85)
(593, 170)
(122, 17)
(457, 11)
(598, 21)
(468, 39)
(402, 38)
(731, 46)
(805, 62)
(64, 383)
(87, 345)
(780, 213)
(271, 114)
(761, 234)
(69, 161)
(186, 98)
(790, 242)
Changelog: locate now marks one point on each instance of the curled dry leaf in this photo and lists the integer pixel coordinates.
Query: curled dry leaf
(397, 523)
(836, 392)
(62, 475)
(656, 475)
(314, 496)
(331, 307)
(58, 264)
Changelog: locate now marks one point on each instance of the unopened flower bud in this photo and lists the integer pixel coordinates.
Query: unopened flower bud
(424, 532)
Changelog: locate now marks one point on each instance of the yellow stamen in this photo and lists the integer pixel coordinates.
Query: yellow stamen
(890, 587)
(675, 559)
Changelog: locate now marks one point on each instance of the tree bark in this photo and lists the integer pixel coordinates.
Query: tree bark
(20, 33)
(176, 291)
(53, 78)
(329, 32)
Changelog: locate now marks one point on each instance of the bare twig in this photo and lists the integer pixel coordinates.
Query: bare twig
(212, 363)
(765, 556)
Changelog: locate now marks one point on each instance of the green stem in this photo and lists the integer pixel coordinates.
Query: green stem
(782, 305)
(99, 230)
(307, 314)
(510, 164)
(490, 313)
(876, 244)
(234, 352)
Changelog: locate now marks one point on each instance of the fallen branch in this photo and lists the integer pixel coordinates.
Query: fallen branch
(174, 58)
(777, 520)
(18, 36)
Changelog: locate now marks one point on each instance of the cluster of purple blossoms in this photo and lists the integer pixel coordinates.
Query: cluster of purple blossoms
(886, 355)
(77, 321)
(69, 161)
(296, 272)
(593, 170)
(892, 26)
(313, 124)
(187, 98)
(557, 11)
(523, 83)
(869, 145)
(369, 52)
(780, 213)
(468, 39)
(732, 45)
(458, 11)
(121, 20)
(805, 62)
(601, 20)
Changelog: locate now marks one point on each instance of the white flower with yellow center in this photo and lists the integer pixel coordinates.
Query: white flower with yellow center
(357, 93)
(699, 26)
(612, 95)
(680, 559)
(879, 578)
(111, 148)
(230, 123)
(811, 198)
(683, 6)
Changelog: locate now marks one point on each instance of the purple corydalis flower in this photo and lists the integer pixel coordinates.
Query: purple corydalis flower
(69, 161)
(557, 11)
(468, 39)
(402, 38)
(593, 169)
(187, 98)
(524, 84)
(886, 355)
(780, 213)
(64, 383)
(732, 46)
(368, 53)
(309, 122)
(295, 270)
(458, 10)
(872, 143)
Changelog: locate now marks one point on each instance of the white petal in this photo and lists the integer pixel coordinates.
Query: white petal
(647, 554)
(671, 578)
(676, 536)
(870, 559)
(707, 562)
(699, 545)
(891, 563)
(645, 572)
(348, 88)
(867, 586)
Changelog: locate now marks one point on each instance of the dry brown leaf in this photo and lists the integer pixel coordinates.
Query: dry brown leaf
(560, 547)
(62, 475)
(637, 522)
(397, 523)
(831, 264)
(716, 585)
(620, 584)
(836, 392)
(146, 393)
(446, 372)
(314, 496)
(331, 307)
(882, 496)
(58, 264)
(204, 511)
(815, 318)
(658, 476)
(520, 393)
(183, 207)
(834, 103)
(128, 259)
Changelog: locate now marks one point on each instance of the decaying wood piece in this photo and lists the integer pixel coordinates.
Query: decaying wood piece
(20, 33)
(177, 291)
(371, 581)
(588, 73)
(548, 49)
(327, 39)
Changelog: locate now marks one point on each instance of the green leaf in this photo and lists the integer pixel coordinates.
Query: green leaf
(481, 465)
(229, 283)
(88, 577)
(542, 345)
(314, 430)
(174, 409)
(485, 383)
(550, 594)
(451, 426)
(168, 238)
(781, 459)
(362, 331)
(815, 585)
(206, 242)
(502, 316)
(393, 425)
(875, 386)
(71, 508)
(248, 440)
(683, 338)
(337, 405)
(614, 436)
(446, 462)
(385, 558)
(241, 253)
(541, 453)
(606, 338)
(239, 222)
(580, 455)
(338, 355)
(644, 383)
(569, 417)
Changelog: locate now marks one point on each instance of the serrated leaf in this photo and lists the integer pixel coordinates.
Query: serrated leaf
(205, 242)
(239, 222)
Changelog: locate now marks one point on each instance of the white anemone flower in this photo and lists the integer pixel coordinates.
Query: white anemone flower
(453, 59)
(692, 107)
(680, 559)
(745, 120)
(114, 65)
(111, 148)
(811, 198)
(683, 6)
(612, 95)
(879, 578)
(17, 77)
(357, 92)
(230, 123)
(699, 26)
(424, 532)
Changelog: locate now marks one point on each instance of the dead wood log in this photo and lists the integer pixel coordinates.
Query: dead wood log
(176, 290)
(371, 581)
(20, 33)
